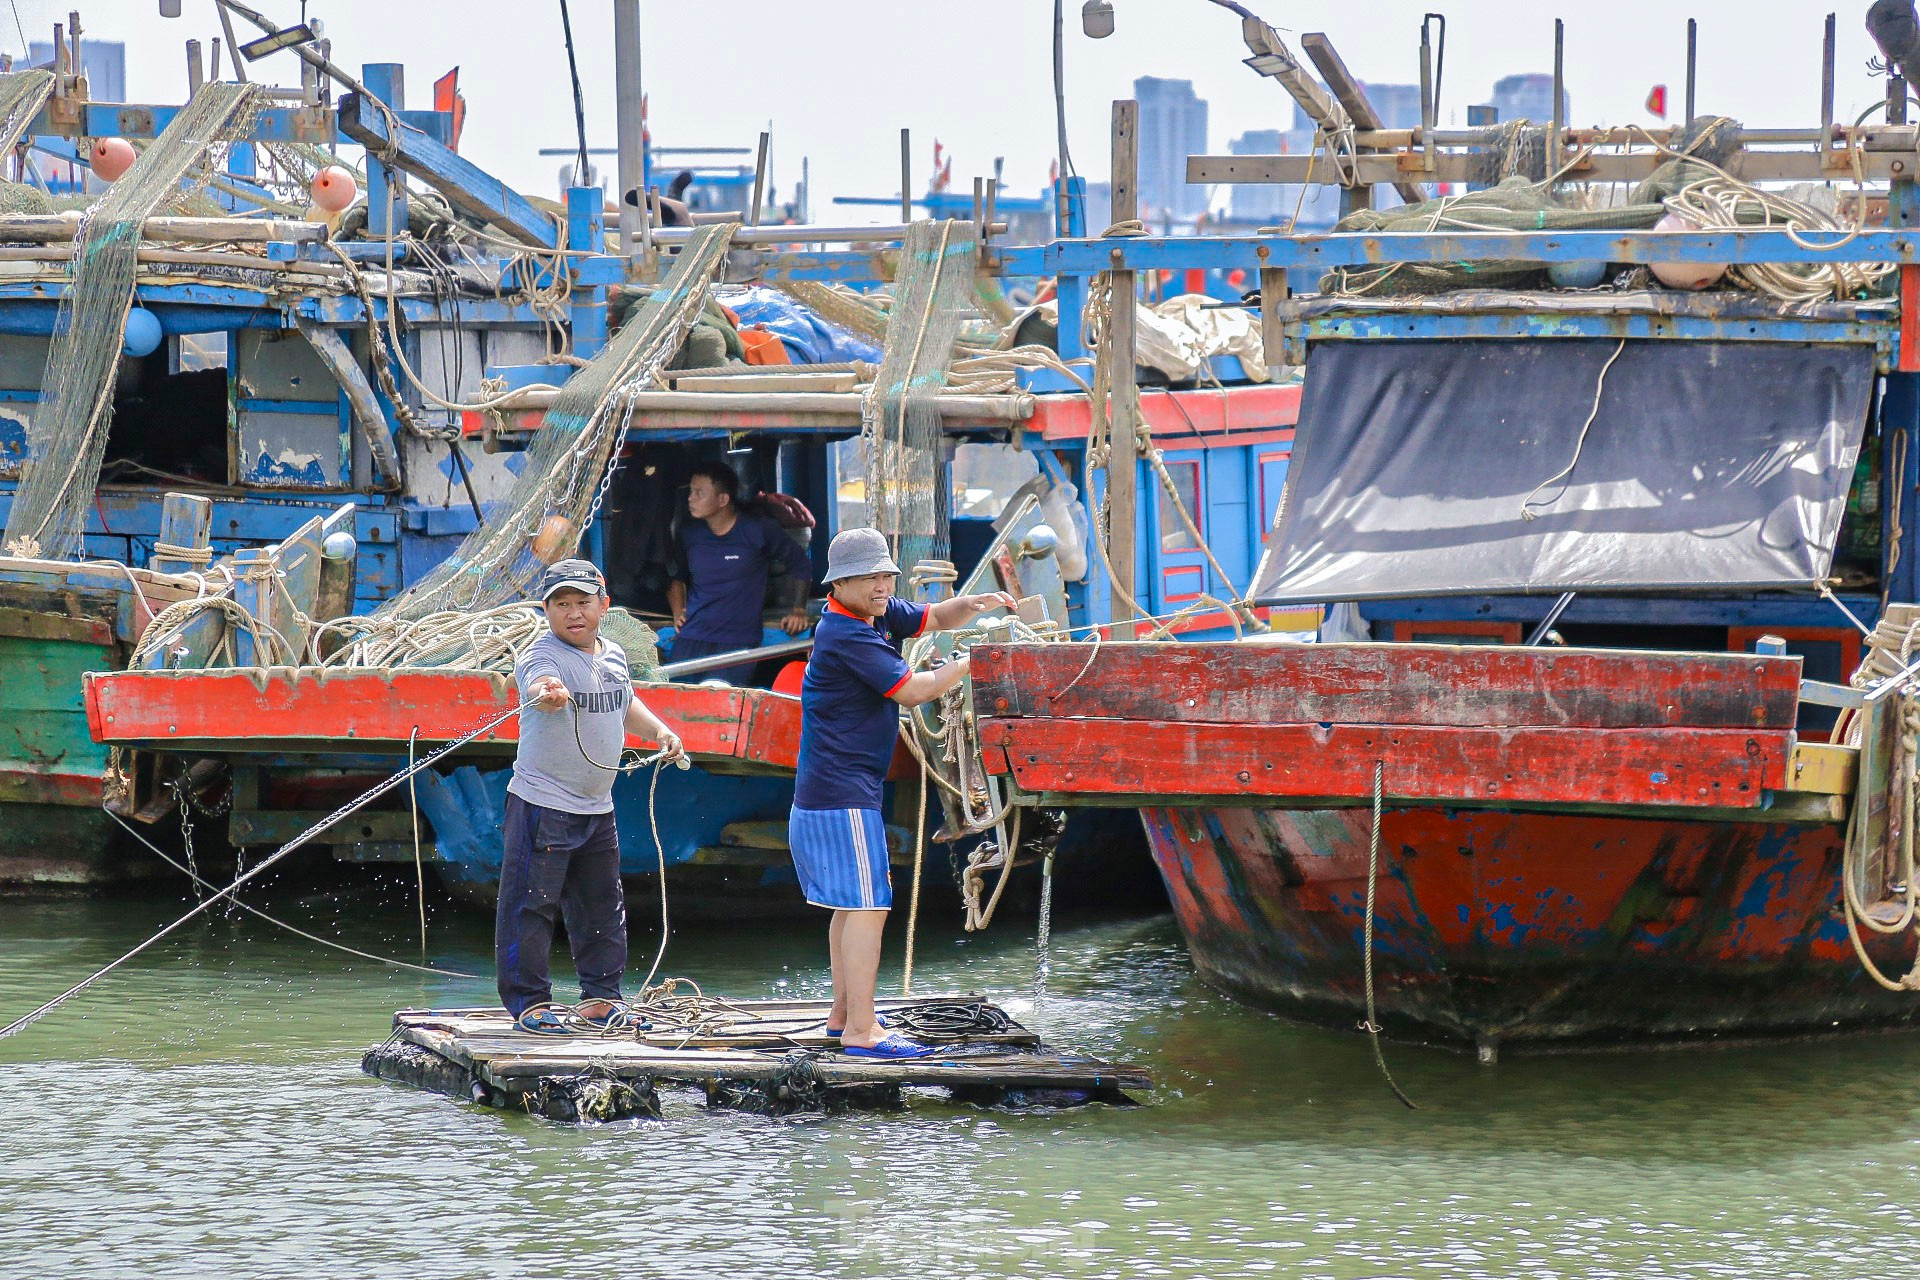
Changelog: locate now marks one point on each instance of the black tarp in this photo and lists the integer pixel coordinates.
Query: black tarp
(1708, 464)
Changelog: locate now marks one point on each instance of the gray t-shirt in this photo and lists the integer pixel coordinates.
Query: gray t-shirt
(549, 769)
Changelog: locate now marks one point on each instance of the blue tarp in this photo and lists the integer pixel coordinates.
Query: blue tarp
(808, 338)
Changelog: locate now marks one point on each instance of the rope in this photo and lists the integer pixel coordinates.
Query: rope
(192, 555)
(200, 883)
(1526, 507)
(919, 857)
(374, 793)
(1372, 1026)
(419, 868)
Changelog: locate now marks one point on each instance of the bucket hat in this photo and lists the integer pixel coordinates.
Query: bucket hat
(854, 553)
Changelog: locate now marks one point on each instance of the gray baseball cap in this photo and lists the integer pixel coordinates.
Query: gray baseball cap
(581, 575)
(855, 553)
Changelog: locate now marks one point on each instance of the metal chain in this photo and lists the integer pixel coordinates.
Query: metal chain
(186, 838)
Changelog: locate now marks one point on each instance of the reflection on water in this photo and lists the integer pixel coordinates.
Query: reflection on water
(202, 1112)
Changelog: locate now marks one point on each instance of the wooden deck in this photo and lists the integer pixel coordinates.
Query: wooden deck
(758, 1055)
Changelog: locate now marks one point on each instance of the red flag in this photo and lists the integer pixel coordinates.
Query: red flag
(447, 97)
(1657, 101)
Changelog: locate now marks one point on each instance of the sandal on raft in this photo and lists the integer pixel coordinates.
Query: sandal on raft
(618, 1017)
(835, 1034)
(542, 1021)
(891, 1046)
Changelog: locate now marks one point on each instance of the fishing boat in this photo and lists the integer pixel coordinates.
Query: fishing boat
(1605, 739)
(283, 732)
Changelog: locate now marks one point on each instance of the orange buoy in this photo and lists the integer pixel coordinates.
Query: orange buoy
(111, 157)
(333, 188)
(556, 539)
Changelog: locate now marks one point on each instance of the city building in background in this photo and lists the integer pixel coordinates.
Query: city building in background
(1173, 126)
(1528, 96)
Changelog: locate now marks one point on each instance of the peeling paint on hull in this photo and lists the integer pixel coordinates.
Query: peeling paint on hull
(1526, 927)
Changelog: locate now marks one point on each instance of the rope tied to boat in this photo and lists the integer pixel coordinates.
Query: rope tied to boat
(1372, 1025)
(358, 802)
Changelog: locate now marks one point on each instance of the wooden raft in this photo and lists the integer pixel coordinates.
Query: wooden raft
(772, 1056)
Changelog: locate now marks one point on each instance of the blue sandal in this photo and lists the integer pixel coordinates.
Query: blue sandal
(892, 1046)
(541, 1021)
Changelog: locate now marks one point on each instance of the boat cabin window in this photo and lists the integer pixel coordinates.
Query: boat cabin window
(646, 506)
(986, 476)
(1174, 534)
(170, 416)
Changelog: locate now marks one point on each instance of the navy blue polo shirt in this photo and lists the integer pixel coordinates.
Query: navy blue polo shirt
(848, 724)
(726, 576)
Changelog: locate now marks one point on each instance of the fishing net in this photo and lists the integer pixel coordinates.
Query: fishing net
(933, 299)
(22, 94)
(67, 434)
(570, 461)
(1514, 205)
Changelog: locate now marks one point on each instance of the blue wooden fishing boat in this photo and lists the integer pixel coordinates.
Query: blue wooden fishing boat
(203, 719)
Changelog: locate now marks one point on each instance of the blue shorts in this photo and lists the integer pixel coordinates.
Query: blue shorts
(841, 855)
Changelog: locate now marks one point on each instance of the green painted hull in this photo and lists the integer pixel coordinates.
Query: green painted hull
(54, 836)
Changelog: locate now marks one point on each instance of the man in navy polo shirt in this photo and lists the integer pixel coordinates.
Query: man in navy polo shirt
(727, 556)
(850, 702)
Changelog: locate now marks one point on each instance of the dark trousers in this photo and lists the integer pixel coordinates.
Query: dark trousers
(685, 650)
(564, 865)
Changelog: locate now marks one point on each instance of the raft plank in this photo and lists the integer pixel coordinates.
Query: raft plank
(484, 1042)
(1463, 685)
(776, 1024)
(1687, 768)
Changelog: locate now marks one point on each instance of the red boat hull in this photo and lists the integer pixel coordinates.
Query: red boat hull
(1526, 927)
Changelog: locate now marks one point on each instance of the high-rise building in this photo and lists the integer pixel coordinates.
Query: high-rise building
(104, 61)
(1529, 97)
(1173, 126)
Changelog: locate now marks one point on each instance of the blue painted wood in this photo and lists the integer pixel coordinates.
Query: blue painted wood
(1879, 333)
(1652, 611)
(317, 408)
(386, 188)
(1180, 253)
(587, 312)
(1900, 442)
(463, 183)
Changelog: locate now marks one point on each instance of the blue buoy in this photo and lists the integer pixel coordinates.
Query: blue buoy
(143, 333)
(1576, 275)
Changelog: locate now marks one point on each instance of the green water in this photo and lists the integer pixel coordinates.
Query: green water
(202, 1113)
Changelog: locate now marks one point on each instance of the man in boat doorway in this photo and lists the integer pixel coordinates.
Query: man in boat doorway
(856, 682)
(727, 556)
(562, 855)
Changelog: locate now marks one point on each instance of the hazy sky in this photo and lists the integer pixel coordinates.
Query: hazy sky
(837, 79)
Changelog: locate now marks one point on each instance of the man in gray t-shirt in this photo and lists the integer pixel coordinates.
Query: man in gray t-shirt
(562, 854)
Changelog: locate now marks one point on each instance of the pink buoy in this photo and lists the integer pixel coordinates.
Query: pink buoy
(111, 157)
(1691, 276)
(333, 188)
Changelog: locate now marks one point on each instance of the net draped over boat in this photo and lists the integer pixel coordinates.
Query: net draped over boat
(558, 492)
(67, 433)
(933, 298)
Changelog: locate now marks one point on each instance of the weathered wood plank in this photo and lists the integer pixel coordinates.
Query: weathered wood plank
(485, 1042)
(379, 710)
(1387, 684)
(1686, 767)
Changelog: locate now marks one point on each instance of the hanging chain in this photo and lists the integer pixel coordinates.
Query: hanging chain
(186, 837)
